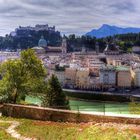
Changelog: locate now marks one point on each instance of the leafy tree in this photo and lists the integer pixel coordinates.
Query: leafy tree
(21, 77)
(12, 81)
(54, 96)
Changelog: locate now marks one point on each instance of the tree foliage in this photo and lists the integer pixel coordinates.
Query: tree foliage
(54, 96)
(27, 76)
(125, 41)
(21, 77)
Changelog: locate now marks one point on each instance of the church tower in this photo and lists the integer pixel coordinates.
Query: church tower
(64, 45)
(97, 48)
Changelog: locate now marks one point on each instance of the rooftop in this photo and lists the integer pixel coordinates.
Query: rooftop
(122, 68)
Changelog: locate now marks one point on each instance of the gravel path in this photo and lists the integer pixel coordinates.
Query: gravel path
(14, 134)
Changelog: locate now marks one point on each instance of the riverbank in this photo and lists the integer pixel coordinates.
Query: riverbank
(100, 96)
(104, 96)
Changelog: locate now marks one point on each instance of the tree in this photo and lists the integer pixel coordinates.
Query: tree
(12, 79)
(54, 97)
(21, 77)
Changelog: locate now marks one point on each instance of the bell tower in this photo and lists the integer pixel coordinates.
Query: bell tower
(64, 45)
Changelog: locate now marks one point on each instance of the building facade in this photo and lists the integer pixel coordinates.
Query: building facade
(125, 77)
(70, 77)
(64, 45)
(137, 78)
(61, 77)
(82, 78)
(136, 49)
(108, 76)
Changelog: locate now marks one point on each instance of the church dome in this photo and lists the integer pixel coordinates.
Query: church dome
(42, 42)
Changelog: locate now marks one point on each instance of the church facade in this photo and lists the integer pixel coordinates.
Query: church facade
(44, 48)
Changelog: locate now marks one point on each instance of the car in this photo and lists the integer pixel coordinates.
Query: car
(127, 90)
(111, 89)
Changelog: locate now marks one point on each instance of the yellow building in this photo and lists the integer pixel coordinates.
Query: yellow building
(70, 77)
(82, 78)
(125, 77)
(114, 62)
(137, 78)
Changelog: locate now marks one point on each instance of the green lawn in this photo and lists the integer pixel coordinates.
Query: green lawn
(90, 106)
(3, 134)
(118, 108)
(69, 131)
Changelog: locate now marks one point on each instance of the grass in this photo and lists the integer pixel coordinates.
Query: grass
(3, 134)
(134, 108)
(90, 106)
(117, 108)
(61, 131)
(70, 131)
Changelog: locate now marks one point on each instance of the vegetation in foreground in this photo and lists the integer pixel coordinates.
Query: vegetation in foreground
(27, 76)
(55, 97)
(3, 134)
(71, 131)
(134, 108)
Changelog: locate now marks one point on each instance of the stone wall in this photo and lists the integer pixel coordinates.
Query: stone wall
(47, 114)
(1, 107)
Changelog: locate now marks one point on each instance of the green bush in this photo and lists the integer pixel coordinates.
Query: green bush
(134, 108)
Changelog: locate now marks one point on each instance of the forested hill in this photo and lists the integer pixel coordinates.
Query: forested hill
(29, 39)
(75, 43)
(125, 41)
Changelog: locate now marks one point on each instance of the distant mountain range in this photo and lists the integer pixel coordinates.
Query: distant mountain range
(108, 30)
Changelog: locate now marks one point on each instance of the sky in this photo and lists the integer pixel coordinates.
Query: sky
(69, 16)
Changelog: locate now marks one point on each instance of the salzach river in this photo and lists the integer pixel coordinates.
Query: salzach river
(91, 106)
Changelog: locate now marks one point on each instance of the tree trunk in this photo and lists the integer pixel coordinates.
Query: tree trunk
(15, 95)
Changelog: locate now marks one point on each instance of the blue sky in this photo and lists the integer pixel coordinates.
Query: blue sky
(69, 16)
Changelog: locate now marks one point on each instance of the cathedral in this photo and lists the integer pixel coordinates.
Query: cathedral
(44, 48)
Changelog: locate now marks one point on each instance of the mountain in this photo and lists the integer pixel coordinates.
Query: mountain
(108, 30)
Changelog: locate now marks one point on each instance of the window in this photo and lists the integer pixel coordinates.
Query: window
(106, 78)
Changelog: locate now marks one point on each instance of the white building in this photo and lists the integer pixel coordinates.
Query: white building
(136, 49)
(108, 76)
(61, 77)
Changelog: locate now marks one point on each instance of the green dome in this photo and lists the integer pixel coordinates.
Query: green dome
(42, 42)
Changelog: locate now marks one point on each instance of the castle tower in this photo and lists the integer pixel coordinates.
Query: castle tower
(64, 45)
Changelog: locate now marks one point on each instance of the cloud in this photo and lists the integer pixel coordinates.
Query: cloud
(69, 16)
(126, 6)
